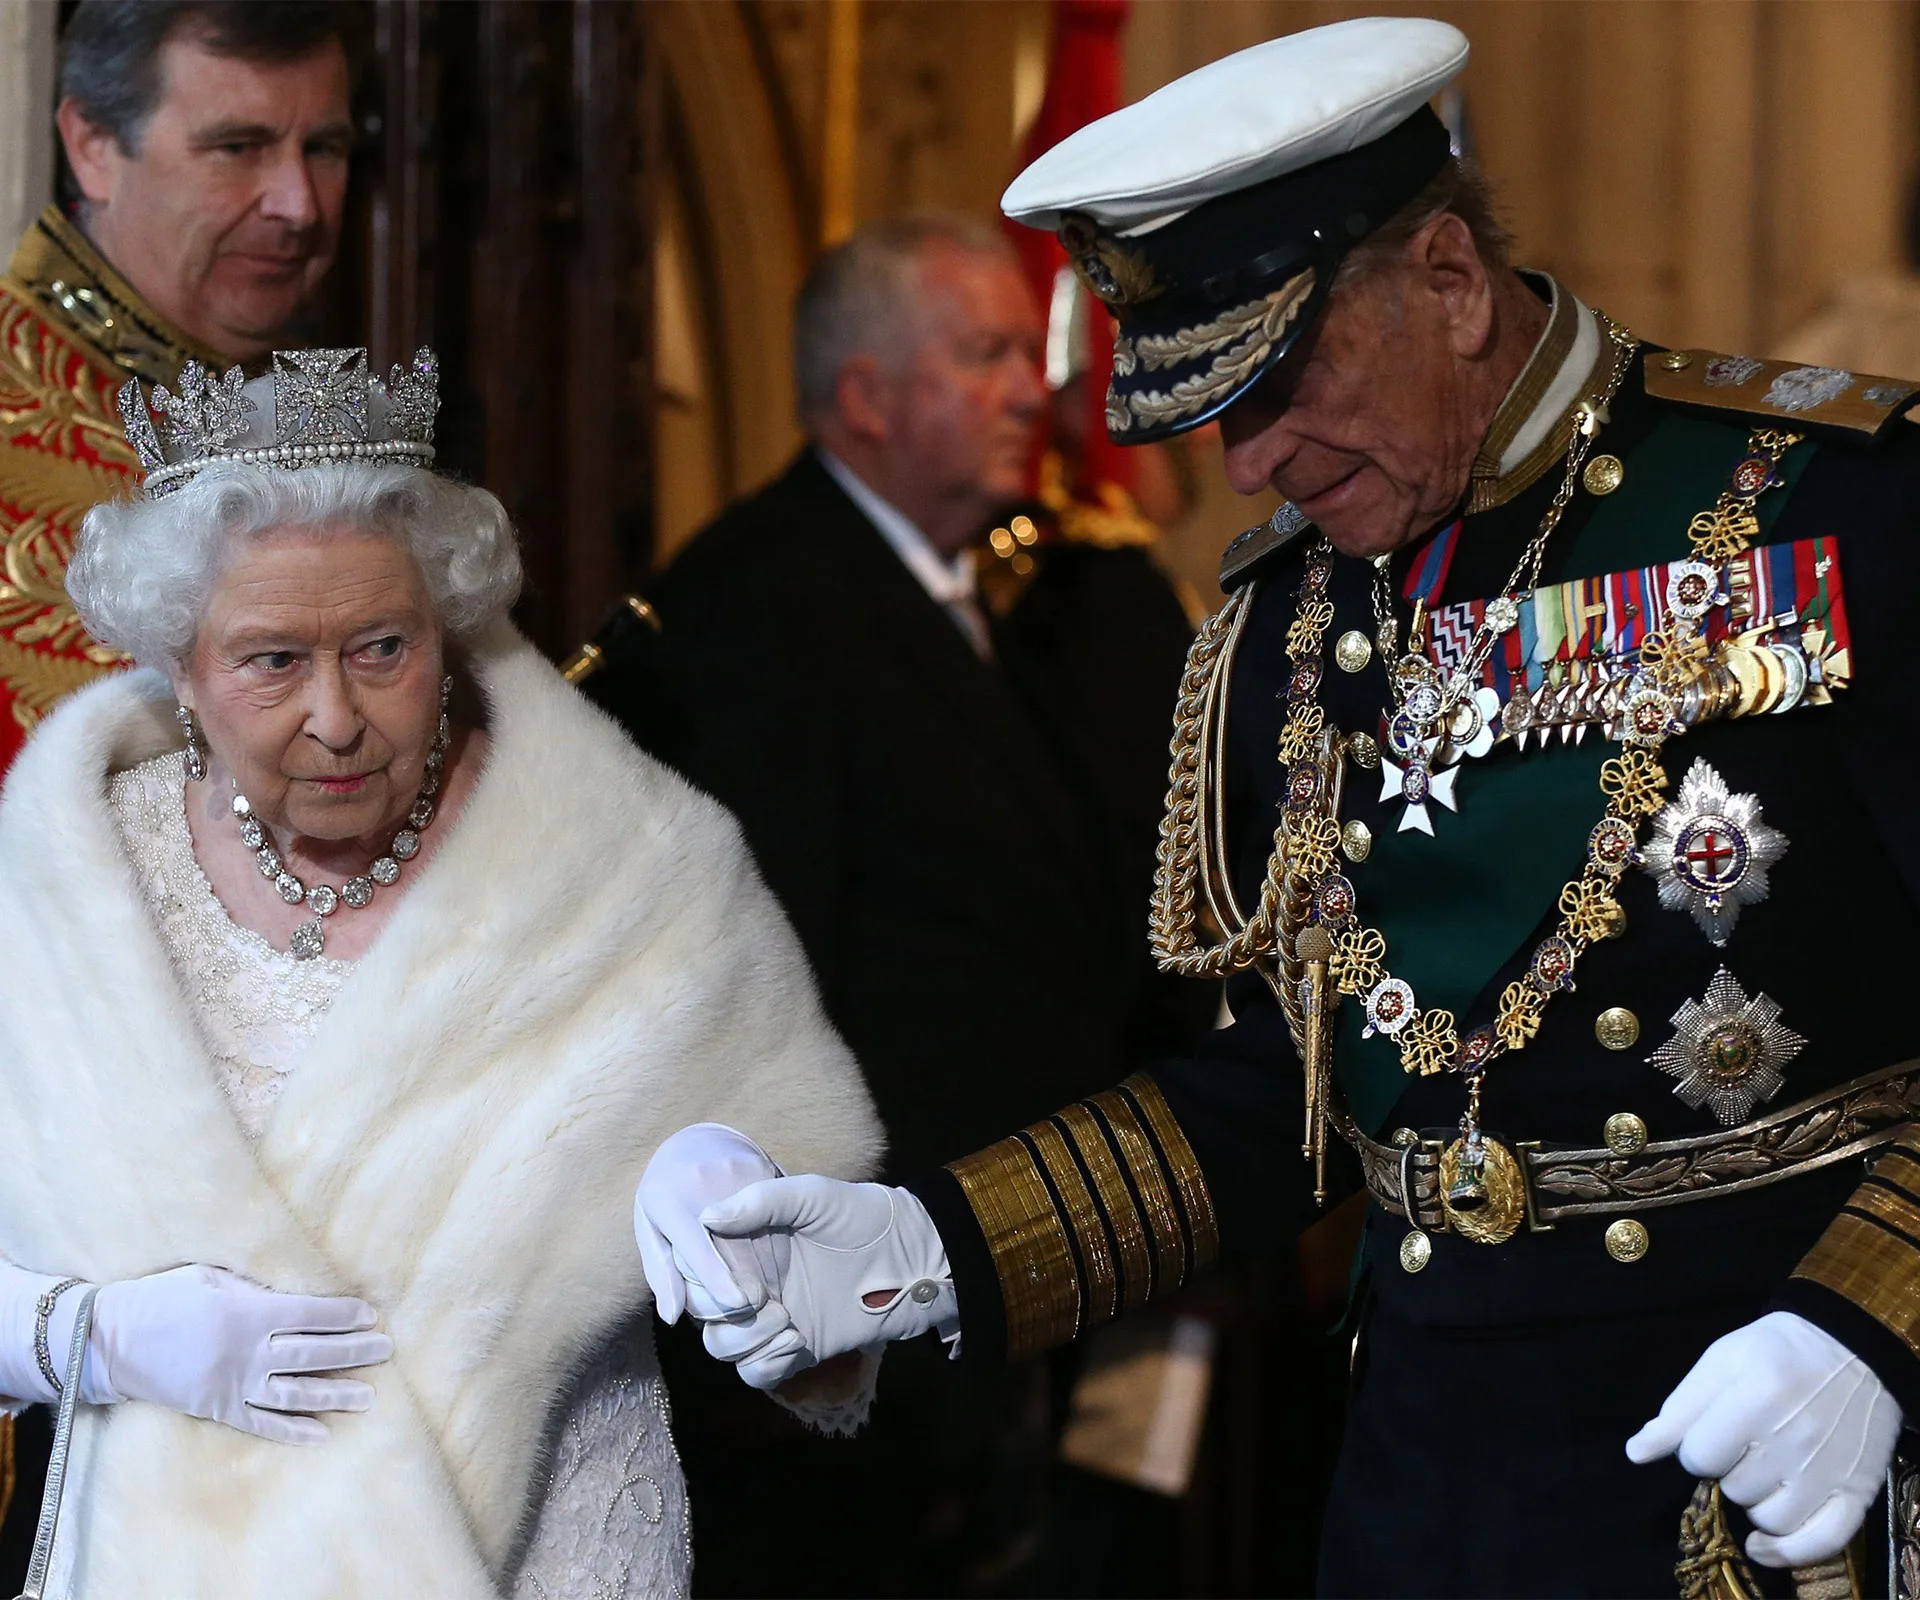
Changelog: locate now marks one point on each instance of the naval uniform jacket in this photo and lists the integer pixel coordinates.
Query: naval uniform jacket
(1126, 1195)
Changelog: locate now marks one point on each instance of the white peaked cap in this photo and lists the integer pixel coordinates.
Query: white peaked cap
(1252, 116)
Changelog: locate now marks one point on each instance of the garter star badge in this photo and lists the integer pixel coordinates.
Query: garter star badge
(1728, 1051)
(1710, 852)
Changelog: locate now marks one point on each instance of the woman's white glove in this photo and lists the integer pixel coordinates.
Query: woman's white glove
(1794, 1425)
(203, 1341)
(209, 1343)
(693, 1168)
(865, 1266)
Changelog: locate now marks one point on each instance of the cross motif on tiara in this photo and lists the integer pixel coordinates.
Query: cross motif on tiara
(320, 396)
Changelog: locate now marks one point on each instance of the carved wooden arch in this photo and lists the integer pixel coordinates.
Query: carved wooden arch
(730, 150)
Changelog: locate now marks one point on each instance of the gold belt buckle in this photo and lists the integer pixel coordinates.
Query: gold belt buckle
(1483, 1190)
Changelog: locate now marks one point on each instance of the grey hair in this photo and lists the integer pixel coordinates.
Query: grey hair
(144, 570)
(863, 297)
(1459, 187)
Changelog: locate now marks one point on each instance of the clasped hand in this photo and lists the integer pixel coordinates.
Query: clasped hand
(1795, 1426)
(785, 1273)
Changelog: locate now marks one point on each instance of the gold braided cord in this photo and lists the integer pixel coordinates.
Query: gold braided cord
(1199, 721)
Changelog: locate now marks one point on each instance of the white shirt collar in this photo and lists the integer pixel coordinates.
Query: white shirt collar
(947, 582)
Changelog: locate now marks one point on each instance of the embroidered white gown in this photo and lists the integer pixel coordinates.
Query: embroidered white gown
(612, 1524)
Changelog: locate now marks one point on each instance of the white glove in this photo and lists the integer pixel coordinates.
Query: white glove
(207, 1342)
(685, 1269)
(1794, 1425)
(202, 1341)
(865, 1266)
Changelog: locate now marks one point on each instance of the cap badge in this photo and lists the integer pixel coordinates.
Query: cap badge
(1710, 852)
(1112, 272)
(1728, 1051)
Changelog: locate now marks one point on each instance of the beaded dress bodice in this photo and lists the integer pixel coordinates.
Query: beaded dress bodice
(257, 1006)
(612, 1521)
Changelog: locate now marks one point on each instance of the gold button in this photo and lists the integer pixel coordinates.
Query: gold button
(1416, 1250)
(1405, 1137)
(1674, 360)
(1626, 1239)
(1617, 1028)
(1626, 1134)
(1363, 750)
(1604, 474)
(1356, 840)
(1353, 651)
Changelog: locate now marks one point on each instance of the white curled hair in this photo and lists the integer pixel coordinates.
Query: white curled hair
(144, 570)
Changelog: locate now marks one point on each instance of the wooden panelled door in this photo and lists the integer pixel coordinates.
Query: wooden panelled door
(501, 213)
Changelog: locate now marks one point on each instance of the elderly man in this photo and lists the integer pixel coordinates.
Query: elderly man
(964, 870)
(205, 174)
(1571, 660)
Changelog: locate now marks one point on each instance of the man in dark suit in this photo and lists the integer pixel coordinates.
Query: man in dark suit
(944, 812)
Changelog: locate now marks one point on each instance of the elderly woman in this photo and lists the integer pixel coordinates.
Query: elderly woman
(354, 968)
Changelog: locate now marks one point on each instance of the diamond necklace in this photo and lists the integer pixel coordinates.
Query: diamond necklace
(310, 938)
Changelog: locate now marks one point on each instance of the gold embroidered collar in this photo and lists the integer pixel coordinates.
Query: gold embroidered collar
(56, 268)
(1531, 429)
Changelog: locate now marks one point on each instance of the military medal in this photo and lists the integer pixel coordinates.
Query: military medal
(1417, 783)
(1728, 1051)
(1710, 852)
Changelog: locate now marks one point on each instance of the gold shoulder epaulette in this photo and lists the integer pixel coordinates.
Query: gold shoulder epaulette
(1829, 400)
(1257, 543)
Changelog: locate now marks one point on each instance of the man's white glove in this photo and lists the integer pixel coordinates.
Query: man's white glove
(201, 1341)
(864, 1266)
(1794, 1425)
(686, 1271)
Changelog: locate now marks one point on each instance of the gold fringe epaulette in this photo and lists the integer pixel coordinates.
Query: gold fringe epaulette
(1098, 1209)
(1818, 400)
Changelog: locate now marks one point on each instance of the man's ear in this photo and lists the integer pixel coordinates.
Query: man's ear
(93, 152)
(1447, 263)
(863, 396)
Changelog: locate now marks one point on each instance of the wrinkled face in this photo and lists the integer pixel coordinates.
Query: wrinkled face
(228, 215)
(315, 678)
(967, 400)
(1368, 428)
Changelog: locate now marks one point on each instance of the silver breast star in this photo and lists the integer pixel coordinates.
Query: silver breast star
(1710, 852)
(1728, 1051)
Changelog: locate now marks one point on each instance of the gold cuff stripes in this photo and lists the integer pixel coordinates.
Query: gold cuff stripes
(1871, 1253)
(1097, 1209)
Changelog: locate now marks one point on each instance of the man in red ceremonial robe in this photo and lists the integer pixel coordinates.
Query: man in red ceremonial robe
(205, 175)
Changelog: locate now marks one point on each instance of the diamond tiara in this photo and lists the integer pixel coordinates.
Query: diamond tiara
(322, 405)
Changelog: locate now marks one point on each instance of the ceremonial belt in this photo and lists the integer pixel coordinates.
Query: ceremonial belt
(1564, 1182)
